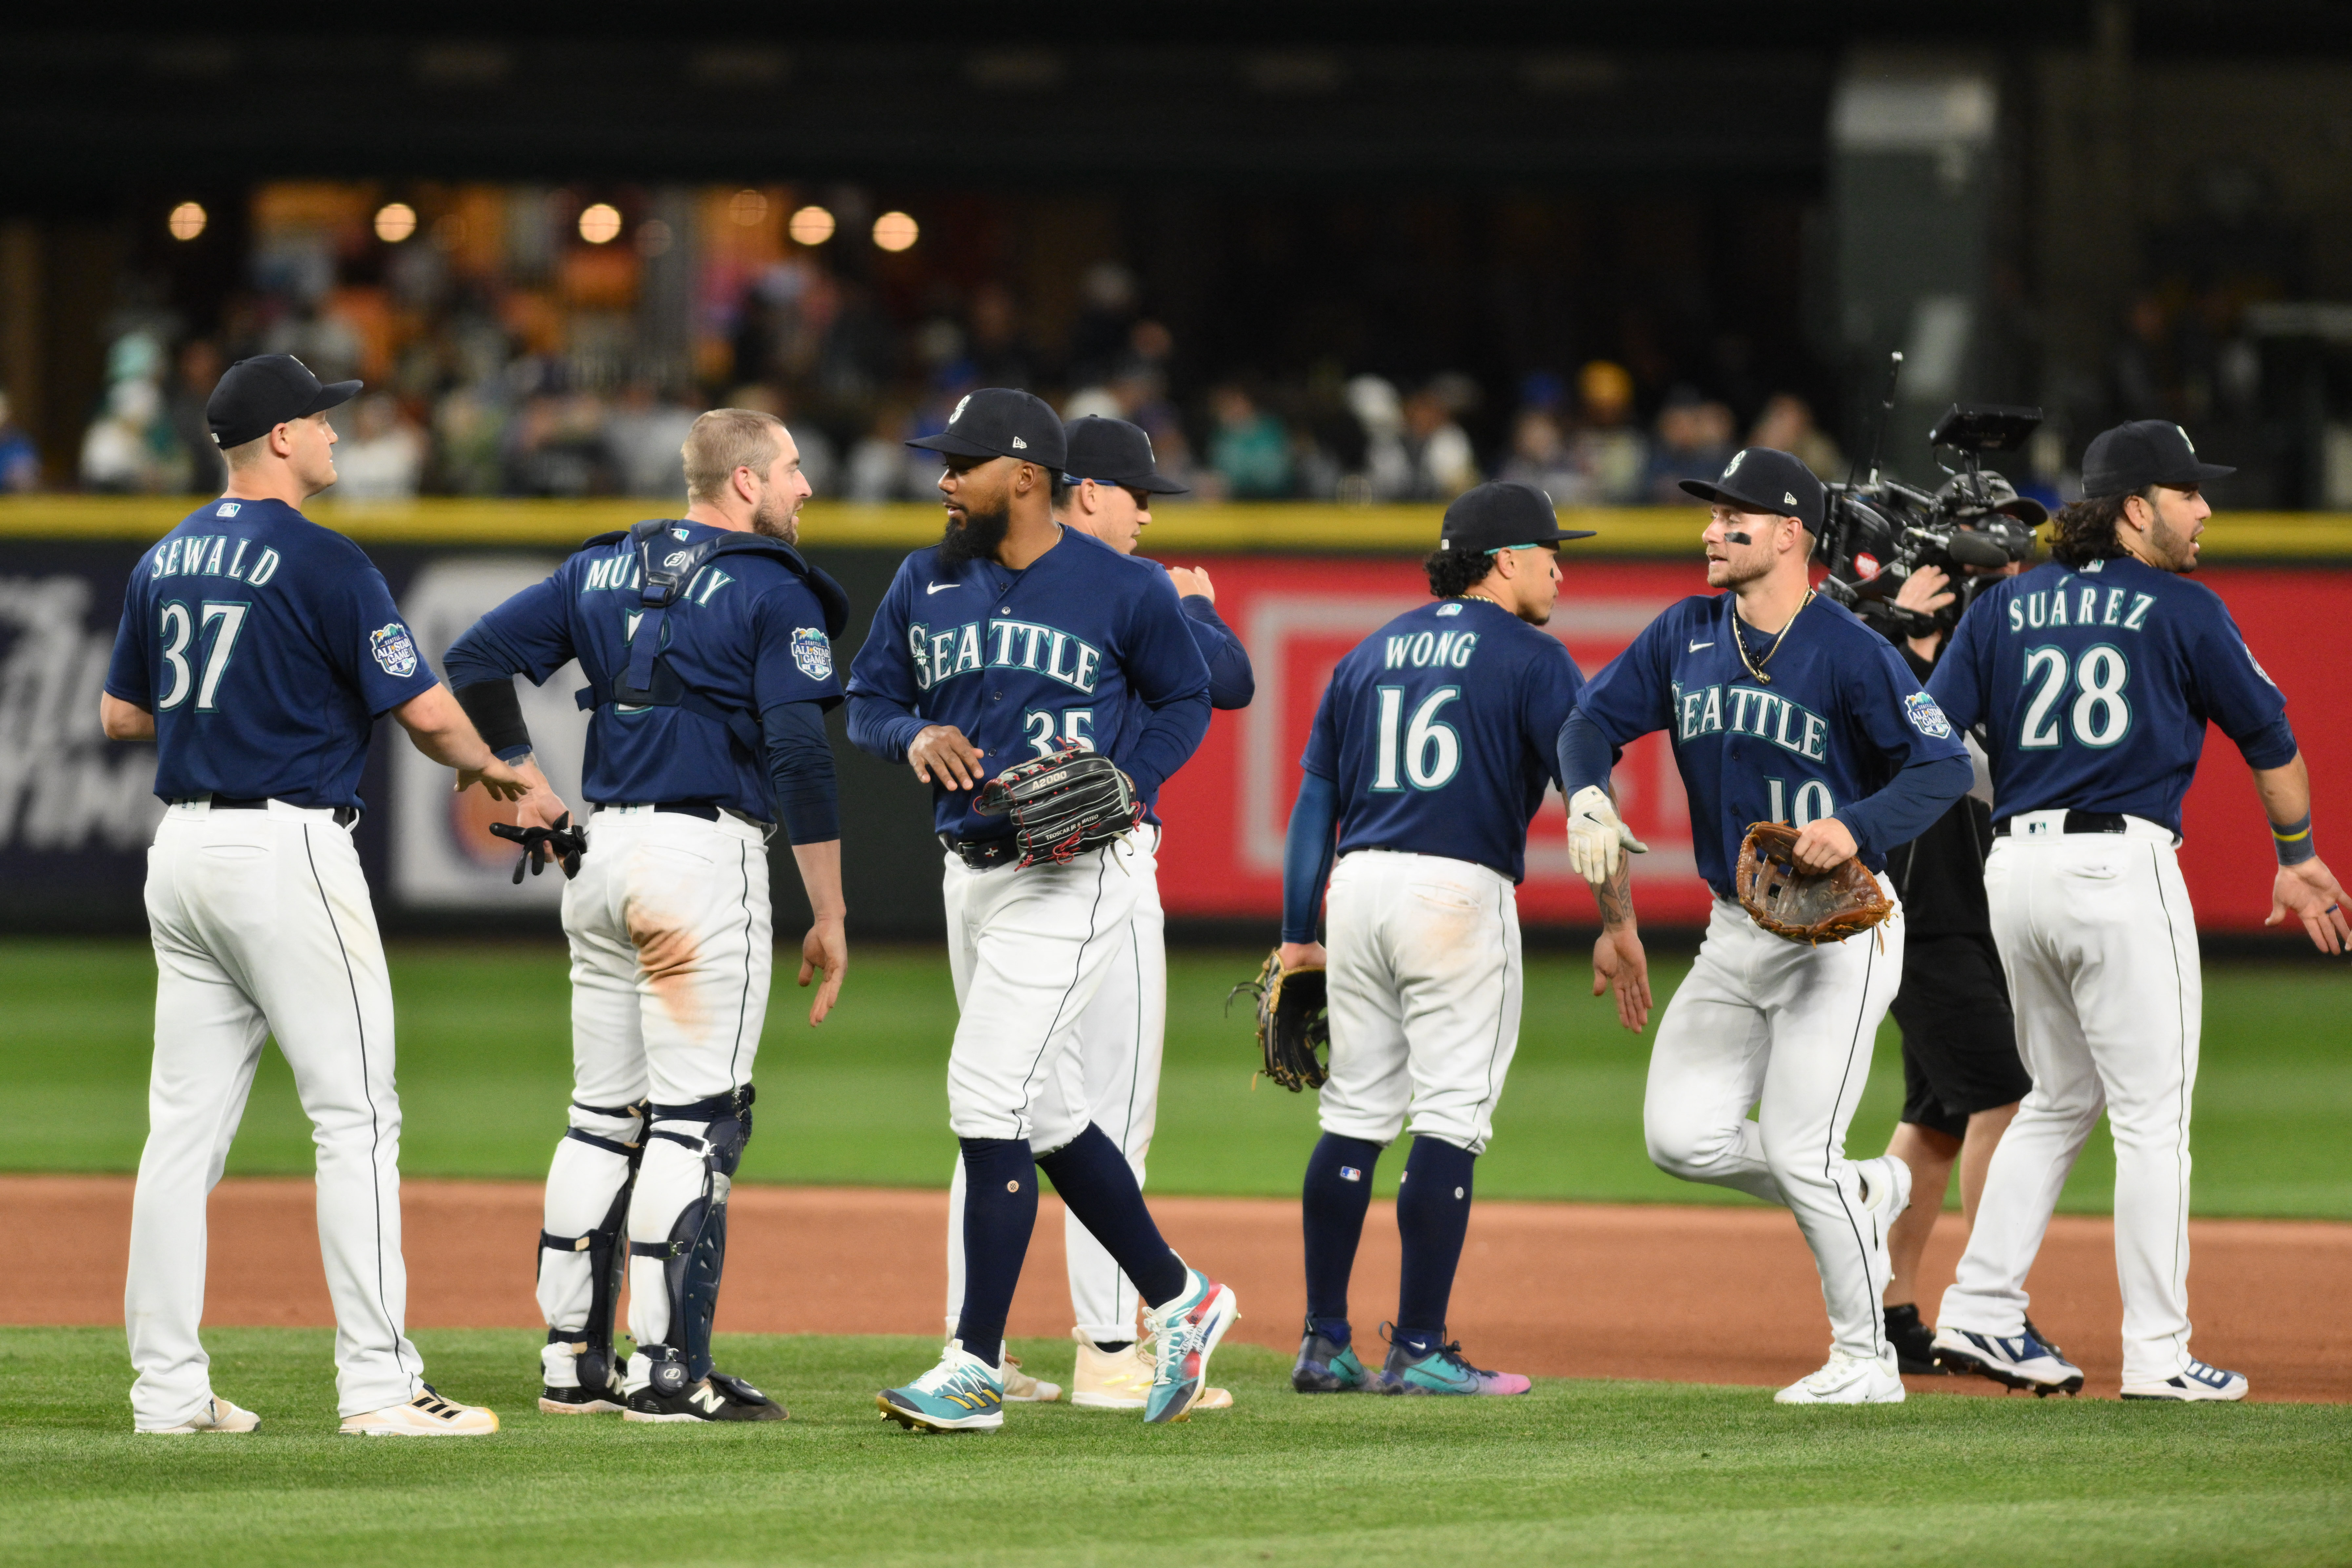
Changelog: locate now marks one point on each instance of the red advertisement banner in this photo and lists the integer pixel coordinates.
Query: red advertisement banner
(1227, 809)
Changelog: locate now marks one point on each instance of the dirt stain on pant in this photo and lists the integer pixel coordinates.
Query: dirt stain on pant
(668, 958)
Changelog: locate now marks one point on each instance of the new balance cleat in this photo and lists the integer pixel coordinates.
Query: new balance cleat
(2194, 1382)
(1847, 1379)
(1327, 1366)
(963, 1393)
(427, 1415)
(579, 1402)
(1187, 1331)
(717, 1397)
(1442, 1370)
(217, 1416)
(2018, 1361)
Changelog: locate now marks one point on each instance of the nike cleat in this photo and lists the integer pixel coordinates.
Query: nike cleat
(1187, 1331)
(1327, 1366)
(1442, 1370)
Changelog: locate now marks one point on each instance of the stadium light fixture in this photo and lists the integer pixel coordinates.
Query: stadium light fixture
(810, 225)
(896, 231)
(187, 220)
(748, 208)
(600, 223)
(394, 221)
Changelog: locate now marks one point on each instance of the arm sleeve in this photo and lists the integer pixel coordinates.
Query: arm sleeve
(799, 765)
(1546, 699)
(1307, 851)
(1908, 804)
(1164, 668)
(882, 692)
(1232, 683)
(881, 728)
(1583, 753)
(528, 635)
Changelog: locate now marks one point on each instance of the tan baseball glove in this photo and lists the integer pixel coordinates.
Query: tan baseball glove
(1811, 907)
(1292, 1022)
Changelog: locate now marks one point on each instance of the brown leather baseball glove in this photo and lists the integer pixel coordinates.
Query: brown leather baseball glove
(1293, 1030)
(1811, 907)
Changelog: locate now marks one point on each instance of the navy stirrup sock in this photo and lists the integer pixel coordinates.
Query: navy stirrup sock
(1095, 1179)
(1337, 1192)
(1432, 1215)
(1000, 1210)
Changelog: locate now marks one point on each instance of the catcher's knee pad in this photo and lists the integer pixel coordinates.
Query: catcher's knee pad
(617, 1131)
(696, 1251)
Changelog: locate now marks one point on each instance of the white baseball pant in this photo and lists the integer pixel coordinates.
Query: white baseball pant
(1426, 987)
(262, 926)
(1120, 1038)
(2100, 947)
(672, 948)
(1788, 1028)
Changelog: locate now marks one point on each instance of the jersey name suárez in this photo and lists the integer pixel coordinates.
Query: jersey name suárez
(1842, 715)
(2092, 686)
(266, 646)
(1438, 729)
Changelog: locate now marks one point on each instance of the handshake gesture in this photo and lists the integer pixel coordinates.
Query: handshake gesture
(1596, 836)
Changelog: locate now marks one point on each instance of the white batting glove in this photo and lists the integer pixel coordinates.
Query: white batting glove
(1595, 835)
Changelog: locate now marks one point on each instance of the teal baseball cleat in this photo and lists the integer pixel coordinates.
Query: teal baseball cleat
(963, 1393)
(1443, 1371)
(1188, 1330)
(1327, 1366)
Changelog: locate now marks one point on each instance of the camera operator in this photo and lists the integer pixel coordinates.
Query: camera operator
(1961, 1076)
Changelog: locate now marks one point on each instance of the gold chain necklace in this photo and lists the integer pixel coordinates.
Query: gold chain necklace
(1756, 665)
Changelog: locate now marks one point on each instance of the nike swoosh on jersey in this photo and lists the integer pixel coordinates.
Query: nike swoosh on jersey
(940, 587)
(1697, 645)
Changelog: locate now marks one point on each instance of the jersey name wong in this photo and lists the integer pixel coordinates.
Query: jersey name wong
(1002, 644)
(1745, 711)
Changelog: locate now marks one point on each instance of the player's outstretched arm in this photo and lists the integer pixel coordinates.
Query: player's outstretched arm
(825, 948)
(2304, 885)
(1620, 965)
(440, 729)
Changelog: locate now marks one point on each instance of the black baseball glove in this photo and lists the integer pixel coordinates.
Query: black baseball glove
(562, 843)
(1292, 1022)
(1063, 805)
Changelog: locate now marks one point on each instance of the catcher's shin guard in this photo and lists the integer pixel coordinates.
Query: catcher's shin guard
(602, 1150)
(695, 1254)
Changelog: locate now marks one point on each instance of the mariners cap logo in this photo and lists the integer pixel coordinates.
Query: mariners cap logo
(2186, 442)
(1733, 466)
(962, 403)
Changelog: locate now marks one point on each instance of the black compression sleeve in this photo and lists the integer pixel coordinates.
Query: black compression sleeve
(799, 762)
(496, 713)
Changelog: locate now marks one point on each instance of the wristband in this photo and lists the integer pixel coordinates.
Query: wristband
(2292, 841)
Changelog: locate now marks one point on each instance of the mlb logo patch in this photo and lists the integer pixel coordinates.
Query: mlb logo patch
(1350, 1174)
(812, 652)
(1454, 609)
(225, 509)
(1926, 717)
(393, 650)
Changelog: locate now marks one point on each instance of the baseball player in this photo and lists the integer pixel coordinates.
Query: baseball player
(1782, 707)
(1961, 1076)
(1107, 493)
(1015, 638)
(707, 644)
(2093, 678)
(257, 650)
(1430, 752)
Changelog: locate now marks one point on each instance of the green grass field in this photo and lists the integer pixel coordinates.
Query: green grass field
(1583, 1473)
(484, 1067)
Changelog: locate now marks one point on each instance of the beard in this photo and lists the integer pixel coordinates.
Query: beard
(2175, 547)
(777, 519)
(976, 538)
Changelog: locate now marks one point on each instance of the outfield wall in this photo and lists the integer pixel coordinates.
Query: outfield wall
(1301, 584)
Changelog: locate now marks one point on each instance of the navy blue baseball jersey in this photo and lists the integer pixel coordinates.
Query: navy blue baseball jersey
(1842, 716)
(1232, 682)
(1083, 645)
(2094, 685)
(746, 631)
(1437, 732)
(266, 646)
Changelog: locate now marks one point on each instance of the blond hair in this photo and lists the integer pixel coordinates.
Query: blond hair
(724, 440)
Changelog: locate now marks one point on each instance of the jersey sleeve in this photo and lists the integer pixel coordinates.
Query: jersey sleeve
(530, 634)
(1547, 694)
(1321, 757)
(791, 658)
(1901, 721)
(1164, 668)
(2234, 690)
(1633, 693)
(884, 668)
(1958, 684)
(368, 641)
(128, 671)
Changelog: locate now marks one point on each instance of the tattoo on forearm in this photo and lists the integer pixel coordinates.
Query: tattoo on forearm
(1615, 897)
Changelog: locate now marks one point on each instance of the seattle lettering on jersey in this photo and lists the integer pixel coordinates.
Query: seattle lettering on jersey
(941, 657)
(1745, 711)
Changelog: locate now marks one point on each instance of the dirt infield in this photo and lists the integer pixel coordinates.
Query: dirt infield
(1709, 1295)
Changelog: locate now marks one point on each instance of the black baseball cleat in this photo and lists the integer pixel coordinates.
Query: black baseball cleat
(1914, 1343)
(579, 1401)
(717, 1397)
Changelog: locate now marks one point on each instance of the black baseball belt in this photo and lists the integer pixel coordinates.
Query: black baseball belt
(980, 854)
(700, 808)
(344, 814)
(2076, 822)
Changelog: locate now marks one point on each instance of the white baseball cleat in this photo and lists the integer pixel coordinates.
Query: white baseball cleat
(427, 1415)
(1020, 1388)
(2194, 1382)
(1121, 1380)
(1848, 1379)
(2016, 1361)
(217, 1416)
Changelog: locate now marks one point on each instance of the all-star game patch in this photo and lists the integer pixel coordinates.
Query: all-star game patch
(1926, 717)
(393, 650)
(813, 651)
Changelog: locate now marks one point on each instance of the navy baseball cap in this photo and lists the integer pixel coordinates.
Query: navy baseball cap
(999, 422)
(1502, 514)
(1764, 478)
(256, 396)
(1114, 452)
(2128, 458)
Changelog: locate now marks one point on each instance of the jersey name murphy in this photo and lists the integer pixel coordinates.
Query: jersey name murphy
(1001, 644)
(623, 570)
(1746, 711)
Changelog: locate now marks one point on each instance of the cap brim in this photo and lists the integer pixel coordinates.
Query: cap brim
(1159, 485)
(2213, 471)
(1571, 533)
(949, 441)
(334, 395)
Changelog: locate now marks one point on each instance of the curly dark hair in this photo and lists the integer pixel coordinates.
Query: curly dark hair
(2084, 530)
(1453, 572)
